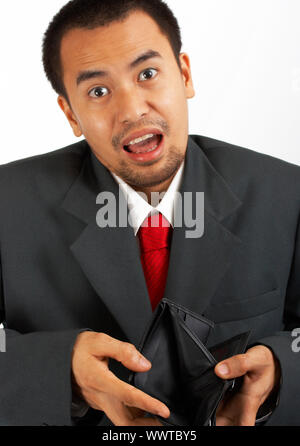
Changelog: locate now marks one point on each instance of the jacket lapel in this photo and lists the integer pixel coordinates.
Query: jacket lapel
(198, 264)
(109, 257)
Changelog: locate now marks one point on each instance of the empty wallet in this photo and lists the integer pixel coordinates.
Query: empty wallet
(182, 373)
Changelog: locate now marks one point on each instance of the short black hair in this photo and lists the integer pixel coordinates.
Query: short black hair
(90, 14)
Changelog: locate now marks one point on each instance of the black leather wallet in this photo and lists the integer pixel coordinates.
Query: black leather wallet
(182, 374)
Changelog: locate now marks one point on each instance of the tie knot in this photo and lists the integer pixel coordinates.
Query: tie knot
(155, 233)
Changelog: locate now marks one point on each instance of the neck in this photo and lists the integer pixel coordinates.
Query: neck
(159, 188)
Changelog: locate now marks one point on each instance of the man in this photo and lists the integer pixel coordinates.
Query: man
(74, 299)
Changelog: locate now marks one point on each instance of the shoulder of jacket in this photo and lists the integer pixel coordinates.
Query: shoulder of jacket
(67, 161)
(231, 157)
(53, 171)
(73, 151)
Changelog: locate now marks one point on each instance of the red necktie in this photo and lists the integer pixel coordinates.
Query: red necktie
(155, 236)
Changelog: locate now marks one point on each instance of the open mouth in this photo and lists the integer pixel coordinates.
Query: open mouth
(145, 144)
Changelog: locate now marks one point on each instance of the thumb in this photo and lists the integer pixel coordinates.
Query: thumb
(124, 352)
(233, 367)
(131, 358)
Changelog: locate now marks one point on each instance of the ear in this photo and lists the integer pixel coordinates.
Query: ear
(64, 105)
(187, 75)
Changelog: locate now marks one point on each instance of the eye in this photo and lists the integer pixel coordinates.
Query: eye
(148, 74)
(98, 92)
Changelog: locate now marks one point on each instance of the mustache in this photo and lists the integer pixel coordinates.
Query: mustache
(160, 124)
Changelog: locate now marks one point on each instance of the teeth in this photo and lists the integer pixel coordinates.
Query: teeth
(143, 138)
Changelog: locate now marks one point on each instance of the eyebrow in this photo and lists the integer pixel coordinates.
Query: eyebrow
(91, 74)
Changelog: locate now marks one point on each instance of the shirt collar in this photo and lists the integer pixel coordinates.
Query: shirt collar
(140, 209)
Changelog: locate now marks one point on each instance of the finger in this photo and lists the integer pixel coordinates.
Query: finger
(233, 367)
(139, 417)
(249, 413)
(103, 383)
(116, 412)
(135, 412)
(245, 420)
(147, 421)
(106, 346)
(240, 410)
(120, 415)
(133, 397)
(255, 359)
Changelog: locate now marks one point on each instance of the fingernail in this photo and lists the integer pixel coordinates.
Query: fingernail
(223, 369)
(144, 362)
(164, 413)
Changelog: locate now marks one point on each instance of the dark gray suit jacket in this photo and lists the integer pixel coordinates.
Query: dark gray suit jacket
(61, 274)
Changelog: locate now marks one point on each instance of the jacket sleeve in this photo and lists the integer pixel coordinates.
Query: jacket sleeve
(287, 410)
(35, 375)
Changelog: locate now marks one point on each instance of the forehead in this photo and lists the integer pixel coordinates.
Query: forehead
(112, 45)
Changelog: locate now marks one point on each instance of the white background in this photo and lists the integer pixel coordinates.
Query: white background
(245, 58)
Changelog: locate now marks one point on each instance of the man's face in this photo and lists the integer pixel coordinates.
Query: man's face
(123, 83)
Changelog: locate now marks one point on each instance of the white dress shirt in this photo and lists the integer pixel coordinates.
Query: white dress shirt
(140, 209)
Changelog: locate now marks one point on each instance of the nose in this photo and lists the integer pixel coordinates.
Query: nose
(131, 105)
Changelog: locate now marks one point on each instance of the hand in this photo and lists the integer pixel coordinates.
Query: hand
(261, 372)
(123, 404)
